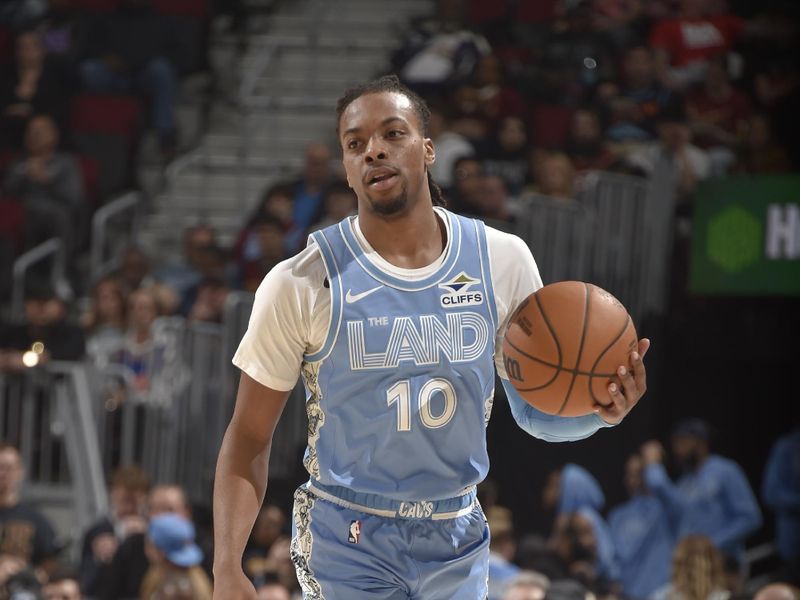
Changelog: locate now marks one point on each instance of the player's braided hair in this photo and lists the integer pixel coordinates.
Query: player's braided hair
(391, 83)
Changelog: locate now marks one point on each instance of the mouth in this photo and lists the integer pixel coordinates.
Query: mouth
(381, 178)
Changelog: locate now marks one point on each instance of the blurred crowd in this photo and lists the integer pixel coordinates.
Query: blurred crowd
(677, 537)
(527, 98)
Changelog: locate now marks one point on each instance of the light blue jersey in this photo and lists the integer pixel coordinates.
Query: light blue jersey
(400, 393)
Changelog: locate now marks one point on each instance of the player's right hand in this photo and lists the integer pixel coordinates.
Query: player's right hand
(233, 585)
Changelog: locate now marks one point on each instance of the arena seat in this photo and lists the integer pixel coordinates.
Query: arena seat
(6, 45)
(95, 6)
(481, 12)
(540, 11)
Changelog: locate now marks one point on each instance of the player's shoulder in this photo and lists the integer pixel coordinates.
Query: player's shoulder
(305, 271)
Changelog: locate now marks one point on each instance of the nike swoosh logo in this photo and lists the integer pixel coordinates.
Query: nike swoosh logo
(350, 297)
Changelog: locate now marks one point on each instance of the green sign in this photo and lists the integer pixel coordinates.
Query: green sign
(746, 237)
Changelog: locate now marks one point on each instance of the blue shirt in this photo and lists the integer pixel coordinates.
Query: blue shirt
(715, 501)
(781, 492)
(644, 539)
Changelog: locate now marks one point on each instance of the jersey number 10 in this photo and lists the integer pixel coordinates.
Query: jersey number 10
(400, 393)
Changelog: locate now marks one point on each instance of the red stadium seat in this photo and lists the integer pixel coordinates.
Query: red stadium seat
(12, 221)
(480, 11)
(536, 11)
(550, 124)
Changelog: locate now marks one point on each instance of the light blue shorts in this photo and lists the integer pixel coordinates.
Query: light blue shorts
(349, 546)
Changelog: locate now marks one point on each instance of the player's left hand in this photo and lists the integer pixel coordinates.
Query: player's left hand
(629, 386)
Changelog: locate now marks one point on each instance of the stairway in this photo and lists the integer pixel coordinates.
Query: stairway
(281, 96)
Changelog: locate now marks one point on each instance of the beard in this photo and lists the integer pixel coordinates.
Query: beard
(390, 208)
(690, 463)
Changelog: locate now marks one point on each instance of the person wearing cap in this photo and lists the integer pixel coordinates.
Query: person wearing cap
(712, 497)
(643, 535)
(174, 561)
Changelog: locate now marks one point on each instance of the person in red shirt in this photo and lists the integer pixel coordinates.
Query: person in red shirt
(684, 44)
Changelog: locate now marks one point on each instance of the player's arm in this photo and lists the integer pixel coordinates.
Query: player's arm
(241, 481)
(515, 278)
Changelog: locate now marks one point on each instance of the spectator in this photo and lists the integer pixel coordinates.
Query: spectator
(778, 591)
(464, 196)
(450, 146)
(143, 309)
(128, 495)
(25, 534)
(469, 120)
(62, 33)
(209, 303)
(506, 154)
(309, 190)
(537, 554)
(781, 492)
(269, 526)
(712, 496)
(528, 585)
(134, 270)
(30, 87)
(578, 500)
(276, 203)
(279, 565)
(688, 164)
(502, 548)
(585, 145)
(45, 331)
(273, 591)
(648, 96)
(62, 585)
(685, 44)
(185, 275)
(104, 322)
(718, 116)
(643, 535)
(499, 100)
(760, 154)
(268, 249)
(132, 50)
(554, 175)
(340, 202)
(49, 184)
(174, 571)
(697, 572)
(123, 577)
(567, 589)
(494, 202)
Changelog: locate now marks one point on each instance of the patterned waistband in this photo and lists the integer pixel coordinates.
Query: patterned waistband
(374, 504)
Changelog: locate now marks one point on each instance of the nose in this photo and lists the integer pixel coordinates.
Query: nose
(375, 150)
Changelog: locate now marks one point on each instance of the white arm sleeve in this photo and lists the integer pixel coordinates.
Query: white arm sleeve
(290, 318)
(515, 276)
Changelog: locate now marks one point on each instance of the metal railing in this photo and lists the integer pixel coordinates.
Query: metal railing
(106, 250)
(617, 234)
(46, 413)
(51, 249)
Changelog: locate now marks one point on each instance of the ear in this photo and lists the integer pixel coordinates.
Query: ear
(430, 152)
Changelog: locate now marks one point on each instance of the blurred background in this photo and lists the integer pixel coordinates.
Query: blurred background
(158, 157)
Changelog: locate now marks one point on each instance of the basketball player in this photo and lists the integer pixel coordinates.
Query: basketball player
(394, 319)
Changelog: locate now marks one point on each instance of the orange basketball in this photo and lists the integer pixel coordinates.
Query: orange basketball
(564, 344)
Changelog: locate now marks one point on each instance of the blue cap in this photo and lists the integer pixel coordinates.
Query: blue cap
(173, 535)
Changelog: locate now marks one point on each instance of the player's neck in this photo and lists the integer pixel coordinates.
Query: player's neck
(411, 241)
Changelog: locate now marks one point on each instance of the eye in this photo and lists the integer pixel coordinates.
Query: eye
(352, 144)
(393, 133)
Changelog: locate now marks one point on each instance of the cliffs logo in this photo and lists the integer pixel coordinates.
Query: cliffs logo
(459, 291)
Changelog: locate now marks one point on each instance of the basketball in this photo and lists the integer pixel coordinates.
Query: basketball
(563, 346)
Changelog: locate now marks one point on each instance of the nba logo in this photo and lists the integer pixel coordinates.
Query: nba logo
(355, 532)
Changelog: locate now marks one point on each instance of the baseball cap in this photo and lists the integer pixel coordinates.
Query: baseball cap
(694, 428)
(174, 535)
